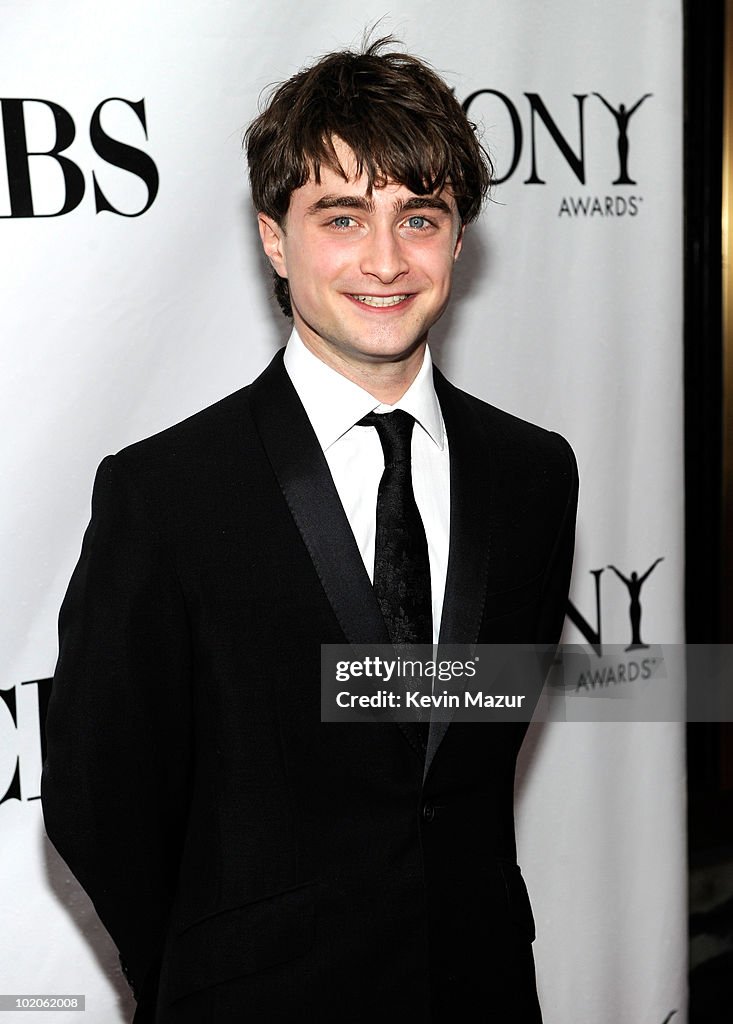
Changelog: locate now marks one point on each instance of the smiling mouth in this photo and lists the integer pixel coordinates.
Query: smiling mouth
(380, 301)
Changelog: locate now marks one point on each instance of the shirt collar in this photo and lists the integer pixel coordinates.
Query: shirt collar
(334, 403)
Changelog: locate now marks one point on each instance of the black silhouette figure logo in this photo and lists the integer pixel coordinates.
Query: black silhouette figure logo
(634, 584)
(622, 117)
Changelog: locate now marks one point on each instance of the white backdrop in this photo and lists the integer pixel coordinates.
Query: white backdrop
(567, 312)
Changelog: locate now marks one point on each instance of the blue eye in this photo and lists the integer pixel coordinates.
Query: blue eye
(416, 222)
(342, 222)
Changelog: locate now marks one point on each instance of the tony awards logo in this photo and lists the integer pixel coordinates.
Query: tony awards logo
(611, 124)
(633, 584)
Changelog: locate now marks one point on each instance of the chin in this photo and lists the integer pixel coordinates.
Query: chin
(382, 343)
(392, 352)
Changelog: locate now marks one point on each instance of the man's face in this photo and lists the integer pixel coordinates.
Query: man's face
(368, 276)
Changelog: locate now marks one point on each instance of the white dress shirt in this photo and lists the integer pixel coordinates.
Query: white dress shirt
(334, 405)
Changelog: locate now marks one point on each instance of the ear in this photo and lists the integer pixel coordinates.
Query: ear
(459, 243)
(272, 235)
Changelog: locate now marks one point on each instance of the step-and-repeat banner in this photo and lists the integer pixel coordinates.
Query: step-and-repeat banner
(134, 293)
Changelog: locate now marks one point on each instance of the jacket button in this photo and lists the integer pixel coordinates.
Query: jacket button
(428, 812)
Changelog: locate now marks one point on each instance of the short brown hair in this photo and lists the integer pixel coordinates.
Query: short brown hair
(398, 117)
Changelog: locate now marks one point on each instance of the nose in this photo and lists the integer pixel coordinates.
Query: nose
(383, 256)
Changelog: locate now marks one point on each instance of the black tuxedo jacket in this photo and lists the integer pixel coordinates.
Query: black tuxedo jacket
(250, 862)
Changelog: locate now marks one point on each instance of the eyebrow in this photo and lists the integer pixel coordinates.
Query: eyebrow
(367, 205)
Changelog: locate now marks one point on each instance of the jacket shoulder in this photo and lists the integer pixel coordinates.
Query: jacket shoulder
(195, 434)
(508, 436)
(221, 433)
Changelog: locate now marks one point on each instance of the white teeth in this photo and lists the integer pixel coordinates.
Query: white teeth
(380, 300)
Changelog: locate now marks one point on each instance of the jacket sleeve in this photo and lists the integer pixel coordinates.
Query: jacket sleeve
(115, 779)
(556, 584)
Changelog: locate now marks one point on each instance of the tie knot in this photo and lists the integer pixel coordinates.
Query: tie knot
(395, 434)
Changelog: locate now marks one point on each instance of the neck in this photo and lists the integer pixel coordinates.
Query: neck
(386, 379)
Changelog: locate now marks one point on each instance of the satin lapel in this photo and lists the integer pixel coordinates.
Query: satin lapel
(470, 518)
(470, 532)
(305, 479)
(307, 485)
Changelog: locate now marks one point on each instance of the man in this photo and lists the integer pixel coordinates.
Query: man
(251, 862)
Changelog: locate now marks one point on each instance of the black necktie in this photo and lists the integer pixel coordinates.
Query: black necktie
(401, 565)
